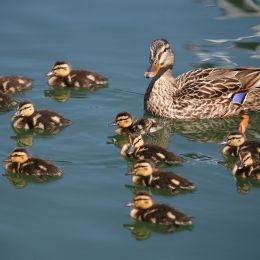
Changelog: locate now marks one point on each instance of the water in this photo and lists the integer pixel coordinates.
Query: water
(82, 215)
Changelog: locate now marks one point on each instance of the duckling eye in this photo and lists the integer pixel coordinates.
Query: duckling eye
(165, 49)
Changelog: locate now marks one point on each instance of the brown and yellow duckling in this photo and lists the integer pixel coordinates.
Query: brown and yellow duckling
(63, 75)
(248, 165)
(20, 161)
(146, 210)
(145, 173)
(128, 125)
(6, 102)
(27, 117)
(13, 84)
(139, 150)
(236, 141)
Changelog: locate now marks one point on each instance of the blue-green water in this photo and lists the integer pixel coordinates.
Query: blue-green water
(82, 215)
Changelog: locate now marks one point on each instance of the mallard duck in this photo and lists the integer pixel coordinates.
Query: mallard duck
(127, 125)
(27, 117)
(201, 93)
(146, 210)
(138, 149)
(248, 165)
(62, 75)
(6, 102)
(145, 173)
(20, 161)
(13, 84)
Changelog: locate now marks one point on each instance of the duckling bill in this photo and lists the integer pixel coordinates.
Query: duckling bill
(63, 75)
(20, 161)
(145, 209)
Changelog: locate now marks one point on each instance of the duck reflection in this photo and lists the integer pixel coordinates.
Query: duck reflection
(63, 94)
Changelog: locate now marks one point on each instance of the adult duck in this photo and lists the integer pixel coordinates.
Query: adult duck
(201, 93)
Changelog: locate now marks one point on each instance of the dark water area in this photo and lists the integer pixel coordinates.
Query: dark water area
(82, 215)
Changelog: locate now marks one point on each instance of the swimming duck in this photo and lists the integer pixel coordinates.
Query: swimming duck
(21, 161)
(201, 93)
(13, 84)
(248, 165)
(236, 141)
(146, 210)
(127, 125)
(145, 173)
(62, 75)
(27, 117)
(6, 102)
(137, 149)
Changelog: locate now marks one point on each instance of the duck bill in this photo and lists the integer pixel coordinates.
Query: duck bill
(129, 204)
(48, 74)
(17, 113)
(223, 142)
(152, 70)
(113, 123)
(131, 150)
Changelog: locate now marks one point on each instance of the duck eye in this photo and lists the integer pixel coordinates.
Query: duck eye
(165, 49)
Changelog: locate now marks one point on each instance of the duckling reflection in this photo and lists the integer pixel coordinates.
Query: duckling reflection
(7, 102)
(244, 185)
(21, 181)
(61, 94)
(142, 230)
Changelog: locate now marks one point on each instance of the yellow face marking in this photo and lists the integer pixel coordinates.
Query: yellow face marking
(19, 157)
(26, 110)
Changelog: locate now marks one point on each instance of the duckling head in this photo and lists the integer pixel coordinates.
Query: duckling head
(246, 159)
(142, 200)
(25, 108)
(161, 57)
(60, 69)
(19, 155)
(135, 142)
(143, 168)
(123, 119)
(235, 139)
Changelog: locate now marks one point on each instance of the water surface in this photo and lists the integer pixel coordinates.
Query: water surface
(82, 214)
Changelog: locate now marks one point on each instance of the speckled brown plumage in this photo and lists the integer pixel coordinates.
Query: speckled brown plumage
(12, 84)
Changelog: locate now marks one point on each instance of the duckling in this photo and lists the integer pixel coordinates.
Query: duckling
(157, 154)
(247, 166)
(236, 142)
(146, 210)
(145, 173)
(27, 117)
(20, 161)
(127, 125)
(6, 102)
(13, 84)
(62, 75)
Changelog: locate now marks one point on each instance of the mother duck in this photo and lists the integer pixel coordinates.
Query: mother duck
(201, 93)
